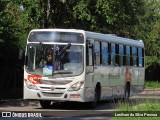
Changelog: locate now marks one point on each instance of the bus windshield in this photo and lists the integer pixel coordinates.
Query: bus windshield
(54, 60)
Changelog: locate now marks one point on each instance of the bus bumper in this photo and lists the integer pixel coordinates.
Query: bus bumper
(53, 96)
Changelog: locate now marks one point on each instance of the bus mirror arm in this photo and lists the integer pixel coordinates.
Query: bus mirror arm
(89, 69)
(90, 45)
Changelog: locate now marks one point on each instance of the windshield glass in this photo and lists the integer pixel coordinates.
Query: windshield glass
(54, 60)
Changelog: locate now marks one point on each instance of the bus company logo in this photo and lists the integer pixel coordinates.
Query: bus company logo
(52, 88)
(34, 77)
(6, 114)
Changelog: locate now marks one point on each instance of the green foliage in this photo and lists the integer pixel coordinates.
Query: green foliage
(152, 85)
(151, 60)
(147, 29)
(137, 19)
(18, 18)
(146, 106)
(81, 11)
(110, 16)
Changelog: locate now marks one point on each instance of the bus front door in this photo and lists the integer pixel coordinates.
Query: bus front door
(89, 82)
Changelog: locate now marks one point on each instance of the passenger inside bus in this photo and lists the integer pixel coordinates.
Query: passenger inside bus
(49, 60)
(49, 56)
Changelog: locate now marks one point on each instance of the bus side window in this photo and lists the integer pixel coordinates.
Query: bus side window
(113, 52)
(117, 55)
(140, 57)
(137, 58)
(124, 57)
(143, 57)
(134, 56)
(104, 47)
(89, 54)
(109, 53)
(131, 57)
(121, 54)
(128, 55)
(97, 53)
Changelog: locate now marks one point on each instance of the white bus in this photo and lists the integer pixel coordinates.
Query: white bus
(76, 65)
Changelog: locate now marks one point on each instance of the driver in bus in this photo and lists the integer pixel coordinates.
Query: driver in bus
(49, 59)
(49, 56)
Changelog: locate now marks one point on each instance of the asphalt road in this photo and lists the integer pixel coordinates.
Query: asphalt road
(104, 110)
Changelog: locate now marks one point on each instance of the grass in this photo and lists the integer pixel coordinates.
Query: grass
(152, 85)
(138, 108)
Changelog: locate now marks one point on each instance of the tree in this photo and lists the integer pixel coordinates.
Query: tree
(148, 30)
(111, 16)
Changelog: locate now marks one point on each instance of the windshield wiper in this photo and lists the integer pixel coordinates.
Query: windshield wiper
(65, 47)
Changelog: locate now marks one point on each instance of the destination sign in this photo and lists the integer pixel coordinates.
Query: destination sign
(65, 37)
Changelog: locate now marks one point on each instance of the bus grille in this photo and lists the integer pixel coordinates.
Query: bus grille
(50, 82)
(49, 88)
(52, 94)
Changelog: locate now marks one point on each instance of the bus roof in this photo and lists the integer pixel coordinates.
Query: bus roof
(99, 36)
(60, 30)
(114, 39)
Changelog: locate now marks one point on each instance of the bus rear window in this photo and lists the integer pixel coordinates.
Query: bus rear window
(63, 37)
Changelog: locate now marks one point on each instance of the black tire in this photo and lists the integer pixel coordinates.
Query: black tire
(127, 92)
(93, 103)
(45, 104)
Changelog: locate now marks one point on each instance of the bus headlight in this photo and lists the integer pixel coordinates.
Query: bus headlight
(30, 85)
(76, 86)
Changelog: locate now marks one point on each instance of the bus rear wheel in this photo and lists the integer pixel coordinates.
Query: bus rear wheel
(45, 104)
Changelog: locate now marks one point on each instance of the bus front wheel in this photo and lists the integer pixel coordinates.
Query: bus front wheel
(45, 104)
(93, 103)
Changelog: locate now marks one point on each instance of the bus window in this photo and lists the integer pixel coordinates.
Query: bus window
(117, 54)
(113, 51)
(109, 53)
(121, 54)
(143, 57)
(134, 56)
(89, 54)
(124, 57)
(104, 53)
(30, 57)
(97, 53)
(131, 57)
(140, 57)
(127, 55)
